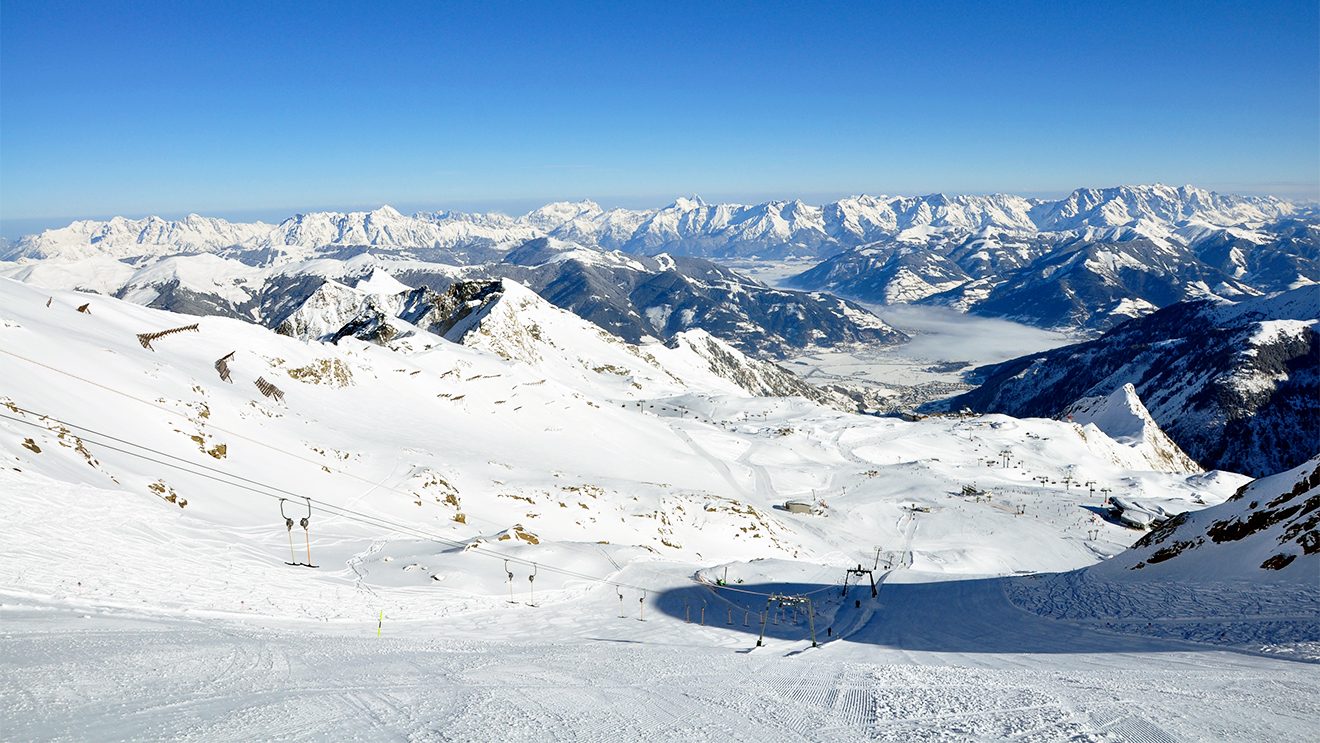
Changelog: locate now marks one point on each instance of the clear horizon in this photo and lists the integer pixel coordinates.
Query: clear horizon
(251, 111)
(15, 228)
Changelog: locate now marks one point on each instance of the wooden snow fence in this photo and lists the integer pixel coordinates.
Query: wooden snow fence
(222, 366)
(146, 338)
(269, 390)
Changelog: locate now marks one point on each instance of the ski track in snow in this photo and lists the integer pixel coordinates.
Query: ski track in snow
(581, 673)
(716, 463)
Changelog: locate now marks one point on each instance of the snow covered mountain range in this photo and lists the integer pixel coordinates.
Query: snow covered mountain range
(635, 297)
(1235, 384)
(1090, 260)
(688, 226)
(508, 320)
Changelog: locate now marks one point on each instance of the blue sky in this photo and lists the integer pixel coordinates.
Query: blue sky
(263, 109)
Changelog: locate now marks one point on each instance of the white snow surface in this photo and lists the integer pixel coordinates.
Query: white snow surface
(126, 616)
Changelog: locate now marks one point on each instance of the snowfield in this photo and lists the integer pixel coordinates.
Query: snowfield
(145, 591)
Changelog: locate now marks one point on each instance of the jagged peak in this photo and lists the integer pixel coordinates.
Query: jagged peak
(687, 203)
(1123, 417)
(385, 211)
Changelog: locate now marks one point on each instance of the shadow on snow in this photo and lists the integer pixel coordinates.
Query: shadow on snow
(960, 616)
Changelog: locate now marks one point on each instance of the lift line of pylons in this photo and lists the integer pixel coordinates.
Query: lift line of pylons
(789, 600)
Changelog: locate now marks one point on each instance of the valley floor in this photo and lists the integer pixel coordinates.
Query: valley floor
(945, 345)
(930, 659)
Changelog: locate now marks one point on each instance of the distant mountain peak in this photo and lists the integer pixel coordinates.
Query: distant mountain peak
(688, 203)
(385, 211)
(1123, 417)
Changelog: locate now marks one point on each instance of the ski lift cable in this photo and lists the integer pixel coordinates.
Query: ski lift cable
(344, 512)
(365, 518)
(285, 493)
(276, 495)
(281, 495)
(221, 429)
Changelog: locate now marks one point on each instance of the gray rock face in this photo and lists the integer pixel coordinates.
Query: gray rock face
(1236, 385)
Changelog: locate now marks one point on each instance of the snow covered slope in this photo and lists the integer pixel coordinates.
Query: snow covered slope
(1123, 417)
(145, 592)
(1271, 524)
(704, 351)
(512, 322)
(1241, 573)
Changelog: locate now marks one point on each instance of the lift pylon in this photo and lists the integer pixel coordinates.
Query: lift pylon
(860, 571)
(784, 600)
